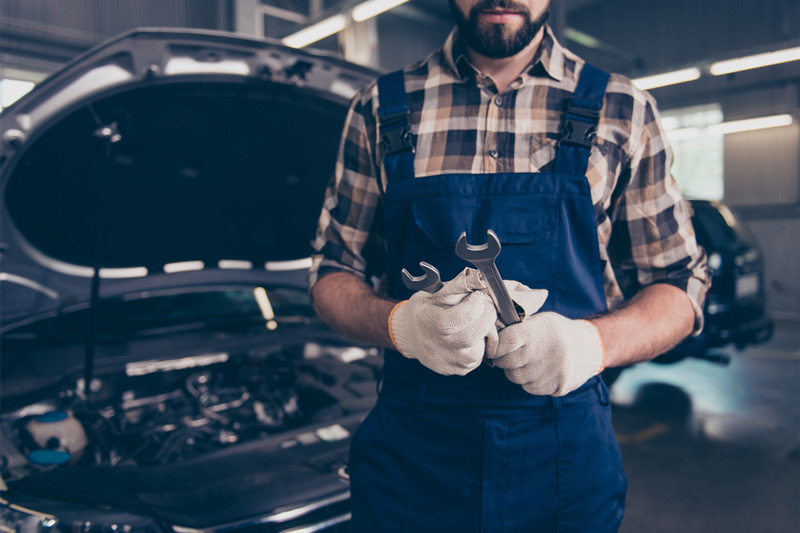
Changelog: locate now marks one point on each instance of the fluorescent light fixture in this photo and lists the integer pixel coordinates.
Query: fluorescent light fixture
(734, 126)
(234, 264)
(263, 303)
(751, 124)
(183, 266)
(316, 32)
(369, 9)
(668, 78)
(280, 266)
(188, 65)
(757, 61)
(123, 273)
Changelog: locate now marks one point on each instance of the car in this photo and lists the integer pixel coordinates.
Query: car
(735, 308)
(162, 365)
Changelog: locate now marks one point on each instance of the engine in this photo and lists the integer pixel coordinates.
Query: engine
(164, 411)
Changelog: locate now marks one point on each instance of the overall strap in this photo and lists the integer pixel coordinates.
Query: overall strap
(396, 146)
(580, 121)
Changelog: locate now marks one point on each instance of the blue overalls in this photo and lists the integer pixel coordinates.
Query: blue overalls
(477, 453)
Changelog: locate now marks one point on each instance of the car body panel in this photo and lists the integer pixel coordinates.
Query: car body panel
(164, 153)
(151, 175)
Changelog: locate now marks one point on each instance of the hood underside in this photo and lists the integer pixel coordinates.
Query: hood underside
(165, 147)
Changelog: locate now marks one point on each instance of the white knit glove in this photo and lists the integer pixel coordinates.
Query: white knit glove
(547, 353)
(446, 331)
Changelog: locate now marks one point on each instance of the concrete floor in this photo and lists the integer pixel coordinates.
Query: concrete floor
(711, 448)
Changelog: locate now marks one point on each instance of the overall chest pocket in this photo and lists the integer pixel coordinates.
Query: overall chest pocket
(526, 224)
(516, 219)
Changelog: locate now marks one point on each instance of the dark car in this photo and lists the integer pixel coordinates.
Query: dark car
(735, 305)
(735, 308)
(162, 366)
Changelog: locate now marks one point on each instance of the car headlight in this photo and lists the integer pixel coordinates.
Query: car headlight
(17, 519)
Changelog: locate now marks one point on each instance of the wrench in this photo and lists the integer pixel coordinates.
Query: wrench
(483, 256)
(430, 281)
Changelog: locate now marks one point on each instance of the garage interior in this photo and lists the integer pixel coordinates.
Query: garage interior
(709, 444)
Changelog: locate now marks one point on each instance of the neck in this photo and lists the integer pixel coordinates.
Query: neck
(505, 70)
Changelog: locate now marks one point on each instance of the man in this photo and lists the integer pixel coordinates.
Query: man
(484, 426)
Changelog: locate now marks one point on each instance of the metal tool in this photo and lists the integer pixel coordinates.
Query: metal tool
(430, 281)
(483, 256)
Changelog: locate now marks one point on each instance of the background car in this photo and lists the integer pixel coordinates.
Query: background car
(734, 310)
(162, 367)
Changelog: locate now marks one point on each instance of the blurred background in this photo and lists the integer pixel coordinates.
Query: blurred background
(707, 447)
(755, 172)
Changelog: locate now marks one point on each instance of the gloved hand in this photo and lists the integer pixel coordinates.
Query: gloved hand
(446, 331)
(547, 353)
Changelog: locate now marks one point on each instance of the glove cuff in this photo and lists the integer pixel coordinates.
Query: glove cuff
(600, 345)
(393, 325)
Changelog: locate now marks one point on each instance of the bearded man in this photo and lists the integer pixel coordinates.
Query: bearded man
(485, 425)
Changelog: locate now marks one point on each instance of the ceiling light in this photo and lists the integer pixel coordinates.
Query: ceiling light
(668, 78)
(316, 32)
(297, 264)
(751, 124)
(369, 9)
(234, 264)
(183, 266)
(123, 273)
(263, 303)
(189, 65)
(757, 61)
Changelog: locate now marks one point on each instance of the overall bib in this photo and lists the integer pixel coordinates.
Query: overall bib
(477, 453)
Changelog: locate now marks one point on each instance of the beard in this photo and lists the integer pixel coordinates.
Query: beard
(496, 41)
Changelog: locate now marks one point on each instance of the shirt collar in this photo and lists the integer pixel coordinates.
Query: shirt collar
(550, 55)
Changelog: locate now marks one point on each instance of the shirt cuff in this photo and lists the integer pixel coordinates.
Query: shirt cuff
(696, 290)
(322, 266)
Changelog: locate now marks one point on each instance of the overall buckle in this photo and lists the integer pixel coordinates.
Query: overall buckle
(580, 132)
(395, 134)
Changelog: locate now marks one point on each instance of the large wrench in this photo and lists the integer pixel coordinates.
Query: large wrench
(430, 281)
(483, 256)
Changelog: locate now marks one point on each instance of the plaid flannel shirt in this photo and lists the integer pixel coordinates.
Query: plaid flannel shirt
(461, 124)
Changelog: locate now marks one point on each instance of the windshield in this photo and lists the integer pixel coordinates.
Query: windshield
(717, 228)
(144, 312)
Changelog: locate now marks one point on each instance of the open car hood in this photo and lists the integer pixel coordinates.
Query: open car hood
(166, 158)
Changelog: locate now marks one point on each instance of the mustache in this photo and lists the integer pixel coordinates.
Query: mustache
(508, 5)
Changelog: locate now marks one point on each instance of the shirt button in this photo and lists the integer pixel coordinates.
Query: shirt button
(498, 101)
(493, 154)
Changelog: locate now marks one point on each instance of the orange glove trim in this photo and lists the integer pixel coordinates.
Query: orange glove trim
(391, 335)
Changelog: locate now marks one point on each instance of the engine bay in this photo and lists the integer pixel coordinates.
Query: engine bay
(169, 411)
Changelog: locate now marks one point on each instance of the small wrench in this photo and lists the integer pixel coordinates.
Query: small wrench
(430, 281)
(483, 256)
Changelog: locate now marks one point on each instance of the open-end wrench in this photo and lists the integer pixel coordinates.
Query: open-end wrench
(483, 256)
(430, 281)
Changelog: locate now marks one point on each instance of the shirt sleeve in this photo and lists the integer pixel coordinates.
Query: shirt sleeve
(652, 235)
(347, 221)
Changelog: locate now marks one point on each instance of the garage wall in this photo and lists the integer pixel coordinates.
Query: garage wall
(43, 34)
(404, 40)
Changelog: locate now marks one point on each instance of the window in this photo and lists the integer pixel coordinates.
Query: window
(698, 166)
